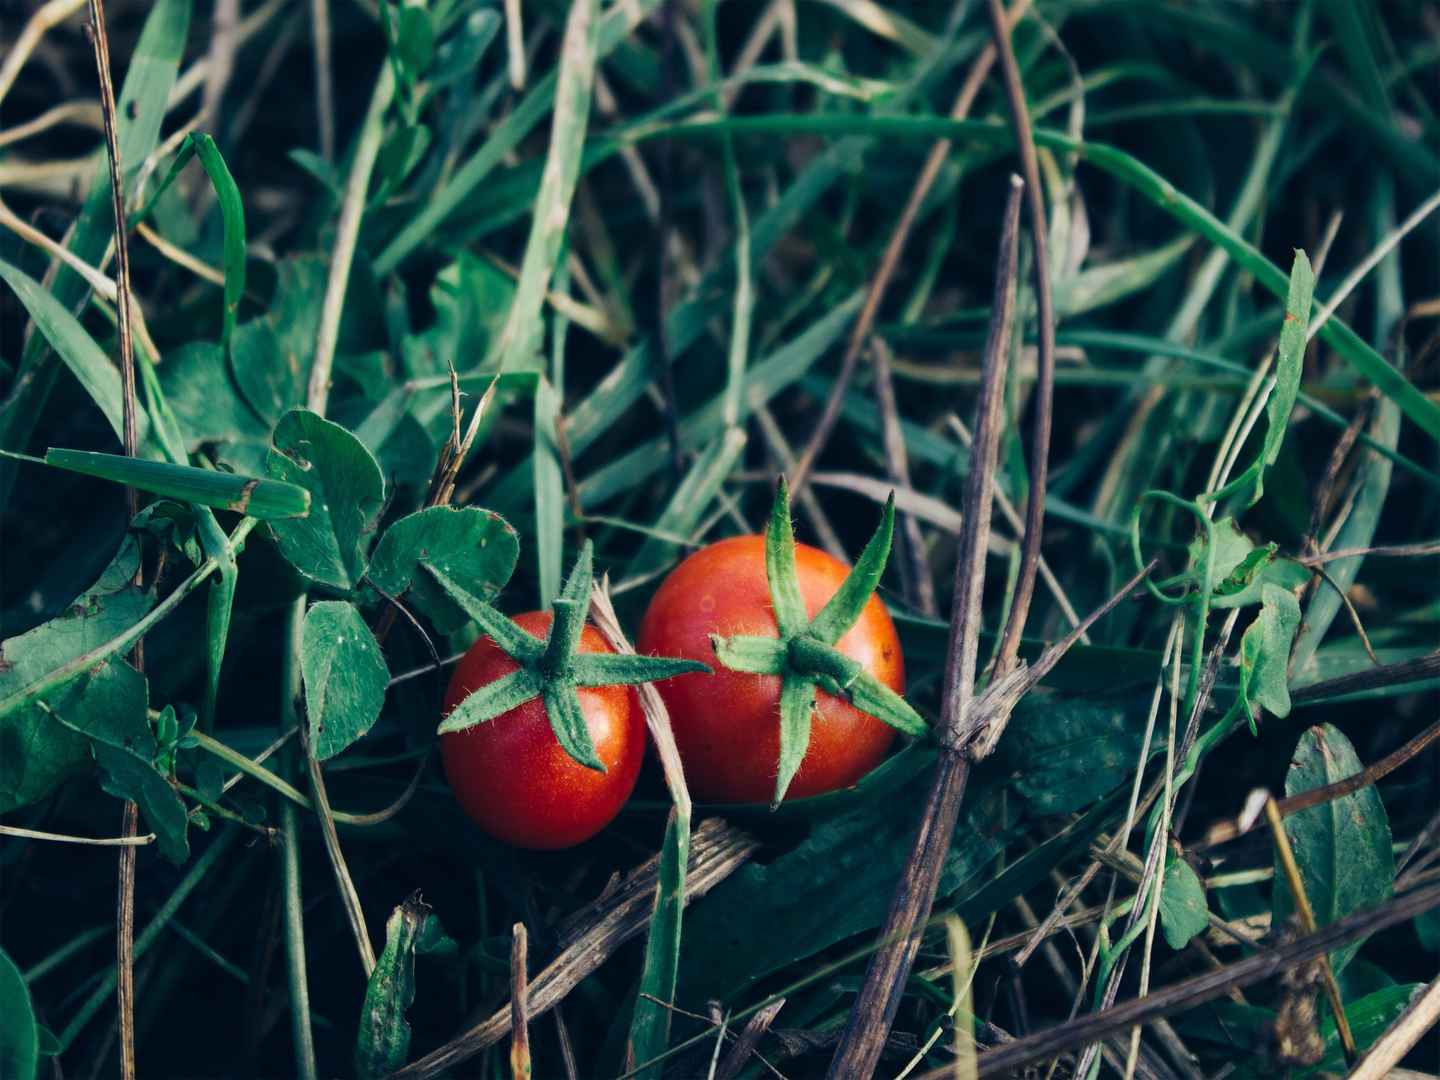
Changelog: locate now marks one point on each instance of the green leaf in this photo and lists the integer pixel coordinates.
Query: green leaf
(650, 1025)
(126, 775)
(491, 700)
(549, 492)
(400, 154)
(244, 494)
(567, 720)
(843, 609)
(382, 1044)
(750, 653)
(19, 1034)
(206, 399)
(1183, 912)
(1343, 847)
(1064, 751)
(414, 45)
(475, 550)
(1265, 653)
(219, 605)
(791, 616)
(345, 677)
(36, 752)
(346, 493)
(797, 706)
(85, 359)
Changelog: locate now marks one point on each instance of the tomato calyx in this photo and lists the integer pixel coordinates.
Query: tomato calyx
(805, 654)
(552, 669)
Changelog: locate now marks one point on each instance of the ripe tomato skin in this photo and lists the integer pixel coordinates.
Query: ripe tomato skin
(512, 776)
(727, 724)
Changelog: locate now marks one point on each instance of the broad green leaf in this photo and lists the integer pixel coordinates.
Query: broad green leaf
(19, 1034)
(382, 1044)
(475, 549)
(843, 609)
(470, 298)
(205, 398)
(37, 752)
(346, 493)
(1265, 653)
(834, 885)
(344, 674)
(85, 359)
(1183, 912)
(244, 494)
(650, 1025)
(1343, 846)
(267, 375)
(1064, 751)
(126, 775)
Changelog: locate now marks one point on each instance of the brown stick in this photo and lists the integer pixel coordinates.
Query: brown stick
(589, 937)
(130, 820)
(749, 1039)
(1403, 671)
(1009, 649)
(890, 261)
(1201, 988)
(874, 1008)
(519, 1005)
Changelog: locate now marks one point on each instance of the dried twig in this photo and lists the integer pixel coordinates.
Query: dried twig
(748, 1041)
(519, 1005)
(890, 260)
(589, 937)
(1009, 649)
(1407, 1030)
(107, 841)
(874, 1009)
(1396, 674)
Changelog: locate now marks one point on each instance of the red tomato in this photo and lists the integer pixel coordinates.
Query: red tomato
(727, 724)
(512, 776)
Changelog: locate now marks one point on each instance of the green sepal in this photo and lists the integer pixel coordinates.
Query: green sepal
(620, 669)
(492, 699)
(750, 654)
(790, 614)
(844, 608)
(870, 695)
(577, 585)
(567, 719)
(797, 704)
(519, 644)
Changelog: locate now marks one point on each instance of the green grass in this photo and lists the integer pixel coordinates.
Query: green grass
(708, 189)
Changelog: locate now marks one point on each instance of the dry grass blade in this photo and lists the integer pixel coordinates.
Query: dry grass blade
(874, 1009)
(519, 1004)
(890, 260)
(62, 838)
(46, 17)
(589, 937)
(1307, 920)
(914, 567)
(748, 1041)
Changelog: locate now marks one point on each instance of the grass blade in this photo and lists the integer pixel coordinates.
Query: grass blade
(264, 499)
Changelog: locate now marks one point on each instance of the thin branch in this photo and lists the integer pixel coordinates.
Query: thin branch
(1009, 649)
(40, 23)
(1387, 675)
(63, 838)
(748, 1041)
(873, 1011)
(1398, 551)
(519, 1005)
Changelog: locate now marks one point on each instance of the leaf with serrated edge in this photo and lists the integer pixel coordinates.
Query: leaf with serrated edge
(344, 675)
(491, 700)
(790, 614)
(797, 704)
(843, 609)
